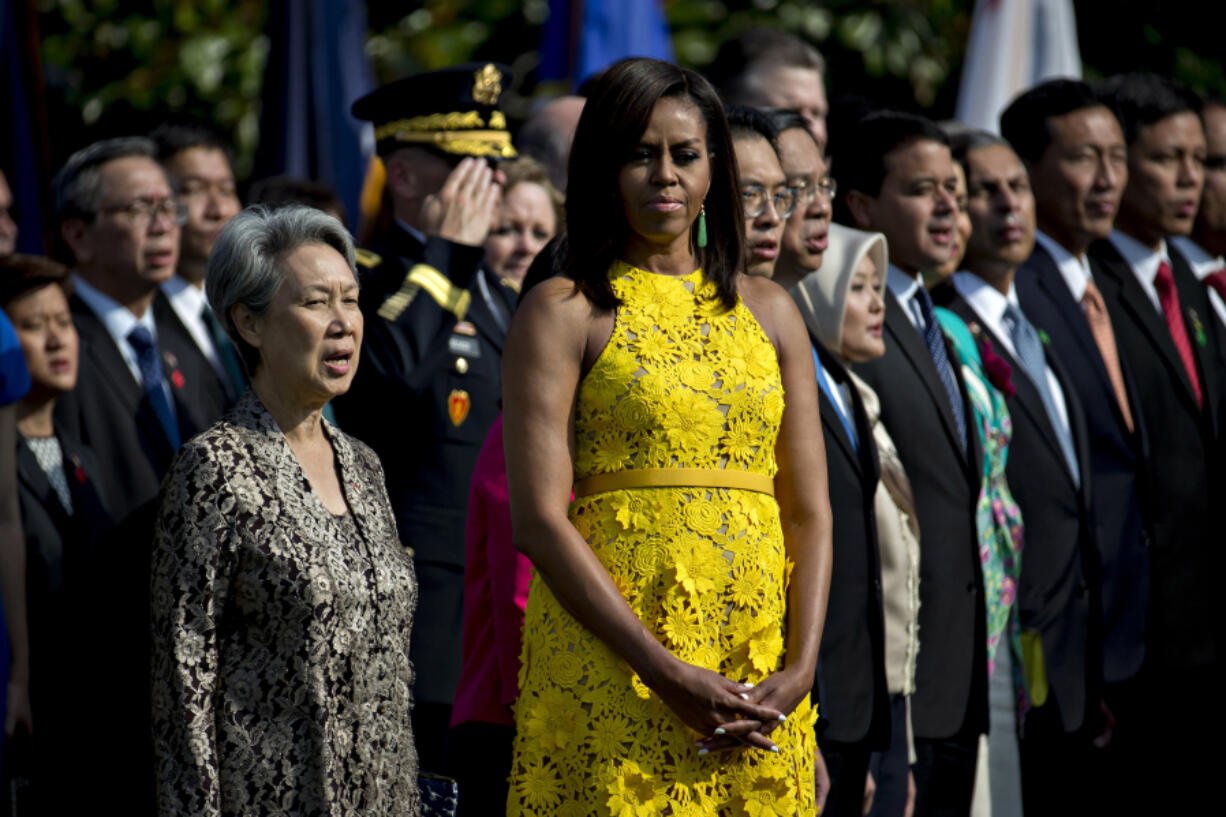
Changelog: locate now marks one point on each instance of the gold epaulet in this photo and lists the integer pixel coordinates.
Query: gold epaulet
(422, 276)
(366, 258)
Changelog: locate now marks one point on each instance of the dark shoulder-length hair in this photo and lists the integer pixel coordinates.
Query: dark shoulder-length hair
(617, 113)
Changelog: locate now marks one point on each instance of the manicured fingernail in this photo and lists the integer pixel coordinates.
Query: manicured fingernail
(775, 749)
(783, 717)
(702, 752)
(747, 685)
(719, 730)
(743, 696)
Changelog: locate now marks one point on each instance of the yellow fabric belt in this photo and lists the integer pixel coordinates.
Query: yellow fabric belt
(675, 478)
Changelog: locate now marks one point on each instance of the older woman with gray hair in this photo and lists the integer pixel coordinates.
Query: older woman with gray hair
(282, 598)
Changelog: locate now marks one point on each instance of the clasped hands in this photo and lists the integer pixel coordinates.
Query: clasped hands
(731, 714)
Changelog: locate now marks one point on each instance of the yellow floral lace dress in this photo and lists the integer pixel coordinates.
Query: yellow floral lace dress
(682, 383)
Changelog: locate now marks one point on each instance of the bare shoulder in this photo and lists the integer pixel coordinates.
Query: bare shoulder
(555, 303)
(771, 305)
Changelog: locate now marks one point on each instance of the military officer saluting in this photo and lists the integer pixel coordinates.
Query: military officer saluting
(428, 386)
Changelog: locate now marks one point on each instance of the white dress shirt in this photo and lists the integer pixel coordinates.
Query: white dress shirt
(1143, 261)
(990, 305)
(904, 287)
(188, 303)
(1202, 264)
(1074, 270)
(119, 322)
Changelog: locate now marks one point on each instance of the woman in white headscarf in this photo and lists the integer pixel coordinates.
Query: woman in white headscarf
(844, 308)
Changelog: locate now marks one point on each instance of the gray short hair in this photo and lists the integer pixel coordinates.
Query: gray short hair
(245, 266)
(77, 187)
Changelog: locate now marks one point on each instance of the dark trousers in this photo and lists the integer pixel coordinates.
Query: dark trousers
(431, 722)
(945, 775)
(1055, 765)
(1167, 743)
(479, 757)
(891, 767)
(847, 764)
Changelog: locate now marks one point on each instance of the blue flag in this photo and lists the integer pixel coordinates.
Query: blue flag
(582, 37)
(22, 139)
(317, 67)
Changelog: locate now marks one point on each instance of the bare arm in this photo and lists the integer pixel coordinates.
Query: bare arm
(13, 576)
(541, 372)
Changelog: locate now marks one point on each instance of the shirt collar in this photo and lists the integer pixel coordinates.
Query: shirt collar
(901, 284)
(1142, 259)
(114, 316)
(987, 301)
(1074, 270)
(1202, 262)
(183, 295)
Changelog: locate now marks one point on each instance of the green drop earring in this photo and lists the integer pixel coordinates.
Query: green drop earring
(702, 226)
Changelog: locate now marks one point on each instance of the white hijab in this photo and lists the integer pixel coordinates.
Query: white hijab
(823, 292)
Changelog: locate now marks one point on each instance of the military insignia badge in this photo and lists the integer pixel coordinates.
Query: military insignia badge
(487, 85)
(458, 404)
(465, 328)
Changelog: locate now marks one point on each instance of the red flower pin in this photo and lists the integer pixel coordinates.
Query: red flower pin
(176, 377)
(78, 472)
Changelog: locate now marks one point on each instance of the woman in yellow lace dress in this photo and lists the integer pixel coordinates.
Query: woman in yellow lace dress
(673, 623)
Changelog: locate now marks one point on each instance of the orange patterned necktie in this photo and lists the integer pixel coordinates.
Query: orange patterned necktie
(1104, 337)
(1164, 282)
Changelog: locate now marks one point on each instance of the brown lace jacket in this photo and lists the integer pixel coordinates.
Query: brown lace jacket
(281, 675)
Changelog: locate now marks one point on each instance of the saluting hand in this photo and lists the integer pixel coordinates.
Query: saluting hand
(464, 210)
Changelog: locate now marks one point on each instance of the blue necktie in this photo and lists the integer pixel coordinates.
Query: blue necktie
(1034, 363)
(825, 386)
(940, 358)
(149, 361)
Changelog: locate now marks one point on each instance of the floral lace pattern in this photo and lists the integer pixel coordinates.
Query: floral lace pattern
(682, 383)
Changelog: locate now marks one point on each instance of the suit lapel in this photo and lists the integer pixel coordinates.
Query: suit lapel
(908, 340)
(1047, 277)
(1026, 393)
(830, 414)
(1127, 292)
(1194, 300)
(98, 347)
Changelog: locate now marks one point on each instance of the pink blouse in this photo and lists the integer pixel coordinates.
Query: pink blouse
(495, 593)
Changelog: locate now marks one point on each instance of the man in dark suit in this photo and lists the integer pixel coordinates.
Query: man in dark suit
(199, 169)
(1162, 321)
(1048, 474)
(144, 386)
(1205, 248)
(429, 386)
(1073, 147)
(900, 181)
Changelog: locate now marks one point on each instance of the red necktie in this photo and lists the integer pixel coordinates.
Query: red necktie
(1165, 284)
(1217, 280)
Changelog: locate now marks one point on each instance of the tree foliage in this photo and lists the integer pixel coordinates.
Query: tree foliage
(112, 64)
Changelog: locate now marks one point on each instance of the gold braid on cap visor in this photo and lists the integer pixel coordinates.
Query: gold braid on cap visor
(454, 133)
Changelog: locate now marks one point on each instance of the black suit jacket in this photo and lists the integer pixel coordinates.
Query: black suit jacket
(1182, 489)
(63, 552)
(1115, 461)
(417, 368)
(109, 412)
(951, 670)
(1059, 560)
(854, 695)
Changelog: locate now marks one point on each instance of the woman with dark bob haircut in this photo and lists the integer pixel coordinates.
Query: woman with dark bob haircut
(672, 625)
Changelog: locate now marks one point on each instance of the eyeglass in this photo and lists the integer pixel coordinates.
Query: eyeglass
(143, 211)
(755, 196)
(806, 193)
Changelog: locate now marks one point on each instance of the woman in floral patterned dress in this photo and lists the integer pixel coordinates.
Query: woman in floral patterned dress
(282, 598)
(672, 627)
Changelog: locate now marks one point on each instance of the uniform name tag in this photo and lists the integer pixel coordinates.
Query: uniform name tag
(461, 345)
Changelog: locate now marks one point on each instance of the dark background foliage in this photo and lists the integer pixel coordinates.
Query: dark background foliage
(115, 66)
